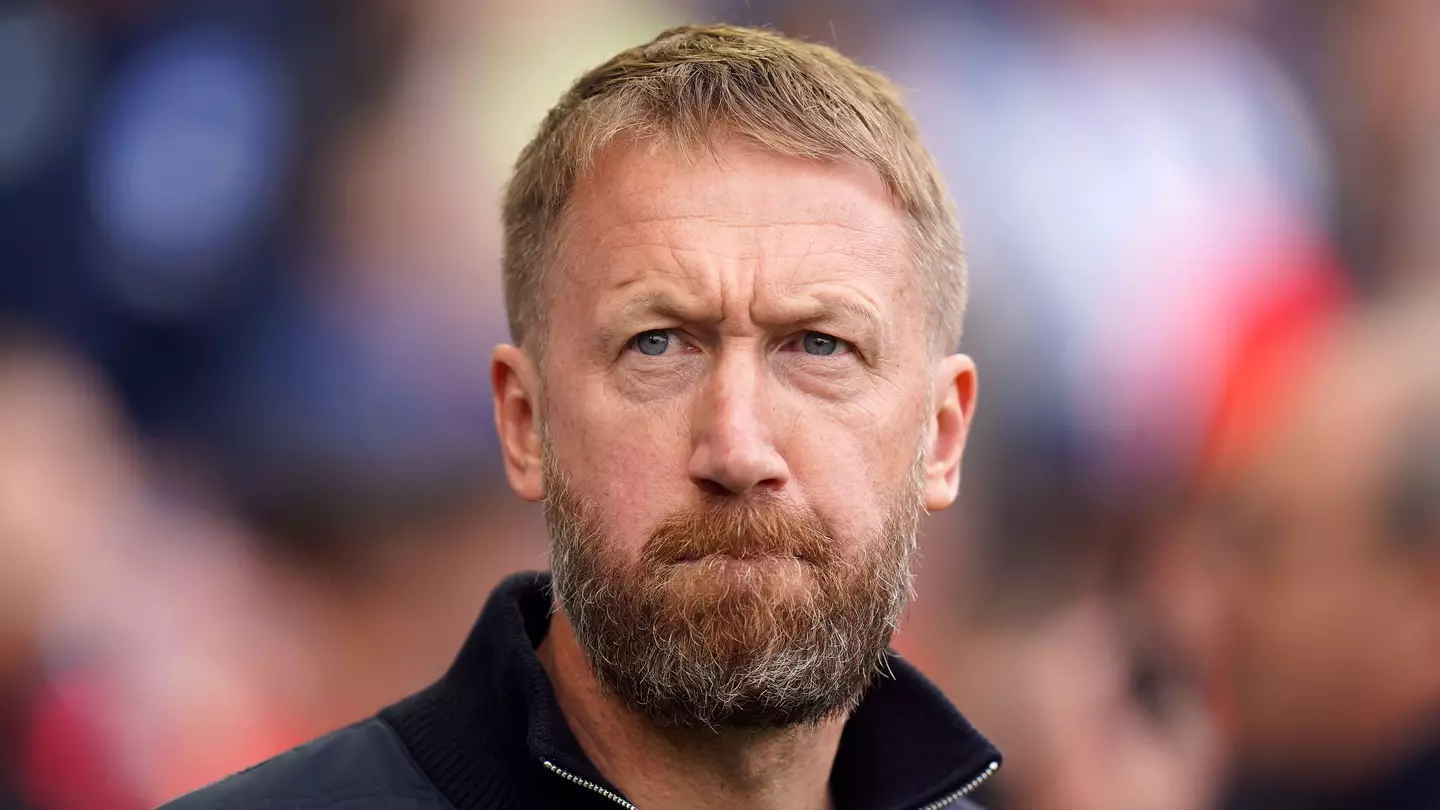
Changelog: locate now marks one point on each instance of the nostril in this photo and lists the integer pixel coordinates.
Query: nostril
(712, 487)
(772, 484)
(720, 489)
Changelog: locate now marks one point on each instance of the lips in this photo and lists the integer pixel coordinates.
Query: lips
(739, 556)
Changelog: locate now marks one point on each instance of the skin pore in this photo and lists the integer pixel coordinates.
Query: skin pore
(738, 326)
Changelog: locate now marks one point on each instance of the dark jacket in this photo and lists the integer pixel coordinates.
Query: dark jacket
(490, 735)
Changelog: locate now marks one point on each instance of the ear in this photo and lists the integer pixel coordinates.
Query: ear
(954, 408)
(516, 385)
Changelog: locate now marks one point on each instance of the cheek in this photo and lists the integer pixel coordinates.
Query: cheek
(850, 463)
(629, 462)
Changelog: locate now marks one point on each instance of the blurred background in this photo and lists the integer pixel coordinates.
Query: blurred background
(249, 282)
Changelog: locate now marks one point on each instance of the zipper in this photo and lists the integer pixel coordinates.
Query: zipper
(588, 785)
(965, 790)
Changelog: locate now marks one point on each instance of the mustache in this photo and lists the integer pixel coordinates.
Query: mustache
(742, 530)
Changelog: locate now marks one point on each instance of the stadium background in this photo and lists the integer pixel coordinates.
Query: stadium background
(249, 488)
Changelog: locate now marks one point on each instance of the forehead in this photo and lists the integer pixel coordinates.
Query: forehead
(797, 218)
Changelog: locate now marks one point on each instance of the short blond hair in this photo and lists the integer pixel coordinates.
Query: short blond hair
(693, 83)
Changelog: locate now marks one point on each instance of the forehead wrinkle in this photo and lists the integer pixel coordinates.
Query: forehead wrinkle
(665, 302)
(723, 250)
(816, 289)
(647, 207)
(668, 283)
(755, 228)
(702, 285)
(629, 258)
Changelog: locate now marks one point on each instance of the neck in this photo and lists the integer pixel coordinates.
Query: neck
(687, 768)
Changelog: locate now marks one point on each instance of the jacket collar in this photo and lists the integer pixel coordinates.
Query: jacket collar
(903, 747)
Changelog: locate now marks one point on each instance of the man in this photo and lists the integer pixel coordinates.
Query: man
(1330, 642)
(735, 285)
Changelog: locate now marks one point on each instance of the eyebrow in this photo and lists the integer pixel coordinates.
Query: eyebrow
(823, 306)
(817, 308)
(661, 303)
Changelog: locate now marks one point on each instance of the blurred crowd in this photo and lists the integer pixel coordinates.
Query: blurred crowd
(249, 282)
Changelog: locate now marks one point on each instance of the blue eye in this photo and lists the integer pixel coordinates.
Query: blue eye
(819, 343)
(653, 343)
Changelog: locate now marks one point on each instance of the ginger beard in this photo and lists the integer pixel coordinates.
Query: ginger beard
(736, 614)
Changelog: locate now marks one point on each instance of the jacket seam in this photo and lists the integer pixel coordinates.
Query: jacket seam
(399, 743)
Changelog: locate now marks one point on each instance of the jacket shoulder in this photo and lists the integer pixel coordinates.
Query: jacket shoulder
(356, 768)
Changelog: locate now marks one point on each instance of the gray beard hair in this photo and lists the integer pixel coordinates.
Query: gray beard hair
(735, 660)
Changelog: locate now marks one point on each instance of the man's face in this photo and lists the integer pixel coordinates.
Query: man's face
(738, 404)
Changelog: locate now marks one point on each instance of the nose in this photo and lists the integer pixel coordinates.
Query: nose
(734, 451)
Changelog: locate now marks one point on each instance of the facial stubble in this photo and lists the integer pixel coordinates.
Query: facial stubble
(739, 612)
